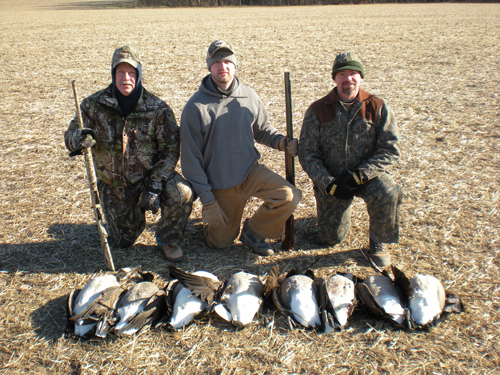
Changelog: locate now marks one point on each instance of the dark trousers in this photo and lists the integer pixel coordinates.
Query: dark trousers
(383, 201)
(125, 219)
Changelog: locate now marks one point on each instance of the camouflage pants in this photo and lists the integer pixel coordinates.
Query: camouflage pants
(125, 219)
(383, 200)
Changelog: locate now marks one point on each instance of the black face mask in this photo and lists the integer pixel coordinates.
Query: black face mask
(128, 103)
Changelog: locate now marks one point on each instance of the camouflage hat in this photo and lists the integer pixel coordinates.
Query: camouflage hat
(127, 55)
(347, 61)
(220, 50)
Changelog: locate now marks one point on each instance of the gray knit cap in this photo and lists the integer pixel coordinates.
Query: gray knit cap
(348, 61)
(220, 50)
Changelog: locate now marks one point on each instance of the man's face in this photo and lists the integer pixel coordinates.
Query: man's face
(125, 78)
(348, 82)
(223, 73)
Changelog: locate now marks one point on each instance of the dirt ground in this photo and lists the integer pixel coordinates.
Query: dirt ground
(436, 65)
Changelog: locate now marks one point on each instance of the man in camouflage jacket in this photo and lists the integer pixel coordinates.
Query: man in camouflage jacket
(349, 139)
(135, 145)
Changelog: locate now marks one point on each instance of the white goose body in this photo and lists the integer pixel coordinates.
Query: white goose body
(298, 295)
(88, 294)
(341, 293)
(427, 298)
(241, 300)
(387, 296)
(186, 305)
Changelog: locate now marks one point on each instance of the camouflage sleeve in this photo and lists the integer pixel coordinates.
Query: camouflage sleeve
(387, 151)
(168, 139)
(71, 135)
(309, 152)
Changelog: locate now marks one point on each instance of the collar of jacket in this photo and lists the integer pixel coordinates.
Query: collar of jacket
(208, 87)
(333, 97)
(109, 101)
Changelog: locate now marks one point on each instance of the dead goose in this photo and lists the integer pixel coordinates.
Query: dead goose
(127, 277)
(141, 306)
(337, 300)
(88, 305)
(382, 298)
(427, 298)
(186, 304)
(240, 299)
(94, 306)
(296, 297)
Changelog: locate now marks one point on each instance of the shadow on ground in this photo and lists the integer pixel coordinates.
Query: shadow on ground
(77, 248)
(50, 320)
(74, 248)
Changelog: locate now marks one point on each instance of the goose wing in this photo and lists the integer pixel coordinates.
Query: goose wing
(154, 311)
(105, 301)
(202, 287)
(272, 281)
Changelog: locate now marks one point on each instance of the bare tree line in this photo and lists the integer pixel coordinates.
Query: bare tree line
(215, 3)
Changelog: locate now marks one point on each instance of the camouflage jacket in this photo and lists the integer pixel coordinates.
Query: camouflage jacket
(127, 150)
(333, 139)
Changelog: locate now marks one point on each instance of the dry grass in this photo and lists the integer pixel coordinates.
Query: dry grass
(437, 66)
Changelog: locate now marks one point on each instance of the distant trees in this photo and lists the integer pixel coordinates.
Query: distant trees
(220, 3)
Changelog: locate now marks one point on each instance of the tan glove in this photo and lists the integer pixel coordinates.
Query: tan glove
(292, 147)
(213, 215)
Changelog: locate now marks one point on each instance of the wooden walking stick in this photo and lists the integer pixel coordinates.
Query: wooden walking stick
(94, 193)
(288, 242)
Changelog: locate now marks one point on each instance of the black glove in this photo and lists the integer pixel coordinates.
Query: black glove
(150, 201)
(81, 139)
(150, 197)
(356, 179)
(339, 187)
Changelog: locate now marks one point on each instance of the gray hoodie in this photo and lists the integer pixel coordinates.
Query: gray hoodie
(217, 137)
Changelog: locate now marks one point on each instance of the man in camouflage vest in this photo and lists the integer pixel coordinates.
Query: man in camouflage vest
(349, 139)
(136, 145)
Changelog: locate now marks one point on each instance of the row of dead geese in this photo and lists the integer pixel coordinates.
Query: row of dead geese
(129, 302)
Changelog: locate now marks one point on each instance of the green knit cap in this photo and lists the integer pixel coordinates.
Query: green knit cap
(347, 61)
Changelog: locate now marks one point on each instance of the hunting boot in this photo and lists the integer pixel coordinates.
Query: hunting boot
(379, 254)
(173, 253)
(255, 242)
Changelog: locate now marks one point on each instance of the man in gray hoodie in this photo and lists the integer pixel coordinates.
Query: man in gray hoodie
(219, 127)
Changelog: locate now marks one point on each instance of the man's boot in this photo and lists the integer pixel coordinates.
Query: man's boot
(255, 242)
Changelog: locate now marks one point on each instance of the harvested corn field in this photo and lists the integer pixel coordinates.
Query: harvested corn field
(437, 65)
